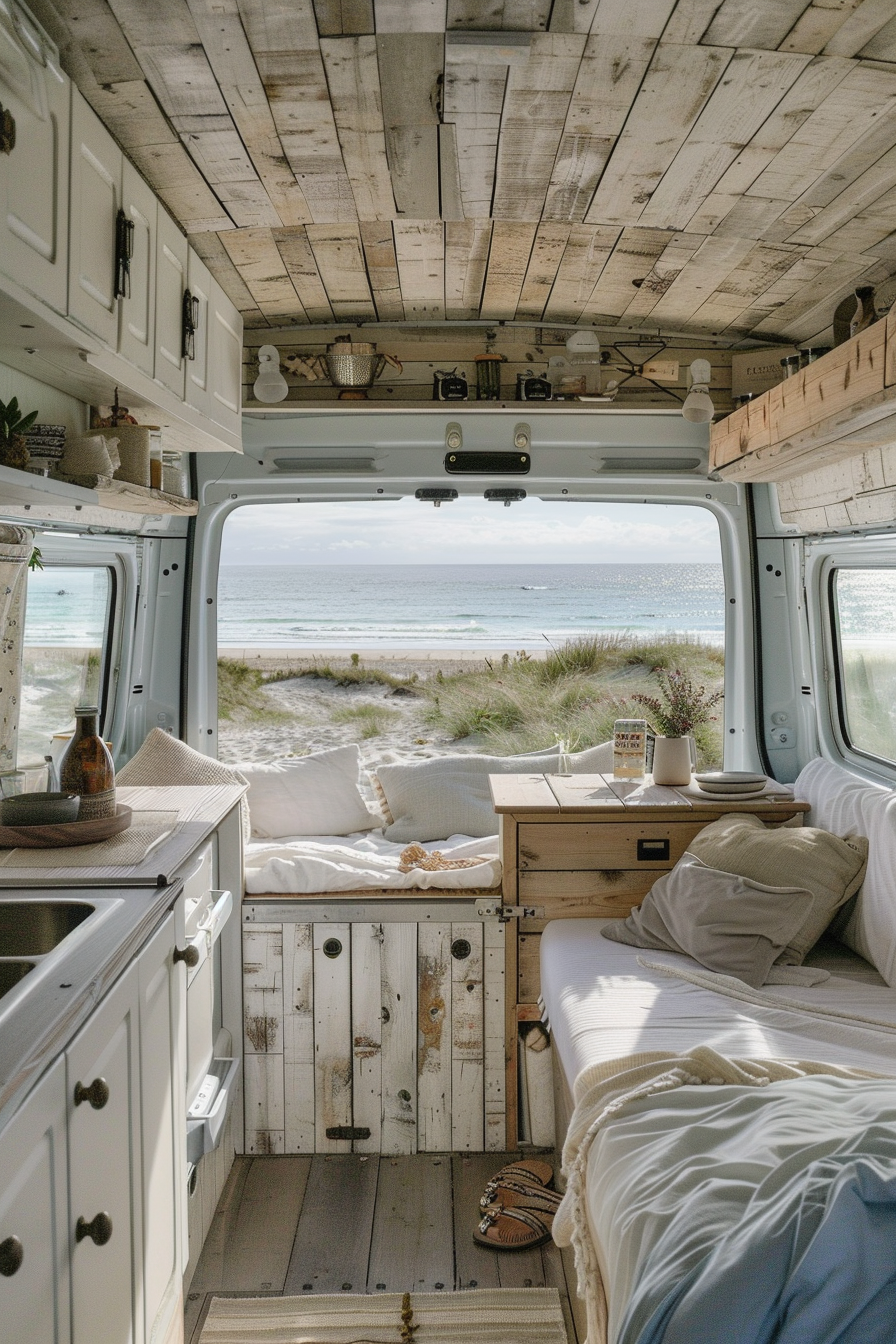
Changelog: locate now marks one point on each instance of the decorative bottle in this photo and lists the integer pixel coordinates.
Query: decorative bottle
(864, 314)
(87, 769)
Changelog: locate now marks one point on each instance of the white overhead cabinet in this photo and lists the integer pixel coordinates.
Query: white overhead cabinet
(196, 333)
(96, 169)
(225, 357)
(35, 97)
(137, 309)
(172, 255)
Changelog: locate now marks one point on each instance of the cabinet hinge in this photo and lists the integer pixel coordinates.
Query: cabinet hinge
(508, 912)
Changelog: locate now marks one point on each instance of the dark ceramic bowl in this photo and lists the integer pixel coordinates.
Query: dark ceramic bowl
(39, 809)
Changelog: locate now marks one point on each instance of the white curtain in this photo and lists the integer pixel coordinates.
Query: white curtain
(16, 545)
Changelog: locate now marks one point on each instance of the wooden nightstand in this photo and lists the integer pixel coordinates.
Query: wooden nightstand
(586, 846)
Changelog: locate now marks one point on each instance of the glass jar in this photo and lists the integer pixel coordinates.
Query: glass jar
(87, 769)
(811, 353)
(488, 377)
(629, 748)
(790, 365)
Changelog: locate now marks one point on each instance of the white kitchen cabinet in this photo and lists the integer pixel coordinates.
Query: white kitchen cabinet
(199, 283)
(171, 283)
(34, 1237)
(225, 360)
(34, 176)
(136, 319)
(162, 985)
(96, 167)
(105, 1186)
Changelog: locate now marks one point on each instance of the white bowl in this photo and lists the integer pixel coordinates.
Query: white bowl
(732, 778)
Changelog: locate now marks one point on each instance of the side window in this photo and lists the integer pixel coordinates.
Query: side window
(68, 618)
(864, 625)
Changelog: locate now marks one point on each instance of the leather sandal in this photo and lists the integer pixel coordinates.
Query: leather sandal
(529, 1171)
(506, 1229)
(518, 1194)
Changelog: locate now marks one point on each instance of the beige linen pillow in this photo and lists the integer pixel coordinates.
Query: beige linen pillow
(829, 867)
(316, 794)
(728, 923)
(165, 760)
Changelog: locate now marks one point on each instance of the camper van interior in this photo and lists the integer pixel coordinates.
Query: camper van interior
(380, 958)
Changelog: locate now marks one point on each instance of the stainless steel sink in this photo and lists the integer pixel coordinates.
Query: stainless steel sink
(33, 928)
(11, 972)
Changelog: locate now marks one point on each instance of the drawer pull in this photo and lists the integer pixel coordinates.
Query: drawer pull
(460, 949)
(652, 850)
(12, 1253)
(97, 1093)
(99, 1229)
(332, 948)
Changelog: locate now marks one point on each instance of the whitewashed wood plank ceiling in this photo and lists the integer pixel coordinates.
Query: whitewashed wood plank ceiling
(725, 168)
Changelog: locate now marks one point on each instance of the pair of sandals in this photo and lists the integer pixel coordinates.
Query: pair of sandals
(518, 1207)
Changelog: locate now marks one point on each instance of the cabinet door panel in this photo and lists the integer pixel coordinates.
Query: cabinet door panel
(136, 329)
(34, 188)
(102, 1175)
(171, 281)
(225, 360)
(34, 1301)
(96, 167)
(199, 282)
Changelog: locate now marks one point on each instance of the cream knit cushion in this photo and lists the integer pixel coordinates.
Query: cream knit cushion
(163, 759)
(316, 794)
(829, 867)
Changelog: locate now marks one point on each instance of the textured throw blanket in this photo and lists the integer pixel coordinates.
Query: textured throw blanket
(306, 865)
(660, 1151)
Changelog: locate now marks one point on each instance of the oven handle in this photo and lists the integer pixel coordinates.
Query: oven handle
(216, 918)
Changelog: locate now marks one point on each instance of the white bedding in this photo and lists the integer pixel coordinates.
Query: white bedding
(304, 865)
(603, 1005)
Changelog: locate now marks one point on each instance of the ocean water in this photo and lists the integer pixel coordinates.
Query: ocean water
(357, 607)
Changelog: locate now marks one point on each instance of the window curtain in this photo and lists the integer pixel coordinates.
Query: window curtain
(16, 545)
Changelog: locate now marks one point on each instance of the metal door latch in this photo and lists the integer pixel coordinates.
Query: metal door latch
(508, 912)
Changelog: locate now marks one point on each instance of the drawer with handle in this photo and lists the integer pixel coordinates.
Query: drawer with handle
(589, 846)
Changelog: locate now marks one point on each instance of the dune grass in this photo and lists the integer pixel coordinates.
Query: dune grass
(240, 694)
(371, 720)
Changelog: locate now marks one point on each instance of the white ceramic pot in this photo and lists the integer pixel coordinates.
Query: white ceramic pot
(673, 760)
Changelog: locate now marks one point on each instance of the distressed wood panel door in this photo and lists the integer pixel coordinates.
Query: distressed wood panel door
(96, 166)
(263, 1071)
(333, 1063)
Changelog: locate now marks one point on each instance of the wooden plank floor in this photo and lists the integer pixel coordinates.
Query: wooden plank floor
(362, 1223)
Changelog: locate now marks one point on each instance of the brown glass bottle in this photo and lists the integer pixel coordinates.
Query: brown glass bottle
(87, 768)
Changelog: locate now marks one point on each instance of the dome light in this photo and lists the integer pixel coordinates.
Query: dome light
(270, 385)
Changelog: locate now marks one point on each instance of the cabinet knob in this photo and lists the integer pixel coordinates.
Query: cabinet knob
(7, 131)
(12, 1253)
(99, 1229)
(189, 955)
(97, 1093)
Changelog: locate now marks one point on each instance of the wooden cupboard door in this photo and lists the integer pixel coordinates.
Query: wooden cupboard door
(34, 1298)
(96, 167)
(163, 1126)
(34, 180)
(332, 1035)
(104, 1172)
(171, 282)
(225, 359)
(199, 282)
(136, 324)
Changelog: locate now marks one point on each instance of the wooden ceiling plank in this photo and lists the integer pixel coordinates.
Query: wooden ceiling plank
(474, 96)
(97, 34)
(525, 16)
(410, 16)
(648, 18)
(876, 182)
(741, 289)
(420, 255)
(762, 23)
(544, 262)
(212, 251)
(679, 249)
(711, 264)
(466, 257)
(690, 20)
(382, 269)
(131, 113)
(271, 28)
(607, 83)
(411, 73)
(298, 258)
(754, 84)
(220, 27)
(572, 16)
(848, 113)
(353, 81)
(831, 274)
(257, 258)
(860, 27)
(633, 258)
(814, 325)
(587, 252)
(752, 217)
(882, 46)
(340, 261)
(344, 18)
(532, 120)
(178, 183)
(508, 260)
(676, 86)
(817, 24)
(450, 197)
(871, 231)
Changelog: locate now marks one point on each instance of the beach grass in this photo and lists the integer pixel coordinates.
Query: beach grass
(240, 694)
(371, 720)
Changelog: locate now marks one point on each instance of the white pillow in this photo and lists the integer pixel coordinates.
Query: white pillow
(449, 795)
(307, 795)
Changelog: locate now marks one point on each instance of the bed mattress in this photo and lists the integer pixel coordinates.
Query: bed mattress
(601, 1004)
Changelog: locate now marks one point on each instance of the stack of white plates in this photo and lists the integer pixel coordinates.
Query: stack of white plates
(726, 785)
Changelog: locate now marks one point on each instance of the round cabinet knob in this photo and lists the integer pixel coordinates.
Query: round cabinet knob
(189, 955)
(97, 1093)
(12, 1253)
(99, 1229)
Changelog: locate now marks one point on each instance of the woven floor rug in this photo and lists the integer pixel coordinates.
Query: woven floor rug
(495, 1316)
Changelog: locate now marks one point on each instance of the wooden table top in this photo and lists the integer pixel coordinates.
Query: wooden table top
(605, 796)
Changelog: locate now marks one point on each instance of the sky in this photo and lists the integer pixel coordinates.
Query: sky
(469, 531)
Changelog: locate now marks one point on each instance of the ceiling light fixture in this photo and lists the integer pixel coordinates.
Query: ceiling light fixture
(697, 406)
(270, 385)
(583, 346)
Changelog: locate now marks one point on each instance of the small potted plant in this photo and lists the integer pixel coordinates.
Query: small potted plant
(13, 427)
(680, 707)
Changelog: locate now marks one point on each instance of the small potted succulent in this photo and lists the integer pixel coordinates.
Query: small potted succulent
(13, 427)
(680, 707)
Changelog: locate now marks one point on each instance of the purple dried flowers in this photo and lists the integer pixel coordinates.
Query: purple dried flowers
(681, 706)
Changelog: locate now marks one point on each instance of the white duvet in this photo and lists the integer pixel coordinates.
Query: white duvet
(305, 865)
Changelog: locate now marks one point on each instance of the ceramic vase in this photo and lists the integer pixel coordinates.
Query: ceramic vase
(673, 760)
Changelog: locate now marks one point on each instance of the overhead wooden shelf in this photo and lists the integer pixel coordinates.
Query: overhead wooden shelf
(128, 498)
(832, 410)
(24, 488)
